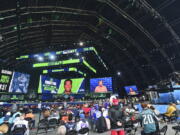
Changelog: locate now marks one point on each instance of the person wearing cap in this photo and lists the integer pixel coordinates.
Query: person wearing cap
(116, 116)
(148, 119)
(82, 124)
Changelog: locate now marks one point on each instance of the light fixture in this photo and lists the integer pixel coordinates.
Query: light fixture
(52, 57)
(81, 43)
(118, 73)
(77, 54)
(40, 58)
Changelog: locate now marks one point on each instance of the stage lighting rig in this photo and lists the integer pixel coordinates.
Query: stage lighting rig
(175, 77)
(147, 7)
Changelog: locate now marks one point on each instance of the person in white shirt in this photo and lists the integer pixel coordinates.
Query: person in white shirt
(82, 124)
(21, 122)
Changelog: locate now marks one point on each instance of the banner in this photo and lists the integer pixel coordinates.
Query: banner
(19, 83)
(5, 79)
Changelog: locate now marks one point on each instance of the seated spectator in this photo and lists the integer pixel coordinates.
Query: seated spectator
(70, 125)
(4, 128)
(46, 113)
(170, 111)
(31, 116)
(148, 119)
(61, 130)
(21, 123)
(82, 124)
(7, 118)
(54, 115)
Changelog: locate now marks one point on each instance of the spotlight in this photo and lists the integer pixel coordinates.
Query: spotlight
(77, 54)
(118, 73)
(52, 57)
(81, 43)
(40, 58)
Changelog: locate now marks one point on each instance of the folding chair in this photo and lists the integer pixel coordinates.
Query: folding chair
(52, 123)
(19, 130)
(163, 130)
(177, 129)
(42, 125)
(72, 132)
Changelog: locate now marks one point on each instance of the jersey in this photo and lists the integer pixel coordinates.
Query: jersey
(70, 126)
(148, 121)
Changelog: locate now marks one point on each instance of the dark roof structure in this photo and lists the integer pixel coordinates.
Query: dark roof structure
(139, 38)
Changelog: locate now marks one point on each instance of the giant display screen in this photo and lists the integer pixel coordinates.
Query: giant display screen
(101, 85)
(131, 90)
(170, 96)
(19, 83)
(176, 92)
(5, 79)
(63, 86)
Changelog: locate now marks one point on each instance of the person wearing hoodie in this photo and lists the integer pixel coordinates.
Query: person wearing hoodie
(116, 118)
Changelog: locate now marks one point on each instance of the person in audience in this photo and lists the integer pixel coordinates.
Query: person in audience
(7, 118)
(32, 118)
(70, 125)
(154, 110)
(46, 113)
(170, 111)
(116, 117)
(54, 114)
(21, 123)
(14, 108)
(148, 119)
(61, 130)
(82, 124)
(4, 128)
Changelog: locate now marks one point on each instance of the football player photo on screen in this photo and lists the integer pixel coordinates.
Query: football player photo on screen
(67, 86)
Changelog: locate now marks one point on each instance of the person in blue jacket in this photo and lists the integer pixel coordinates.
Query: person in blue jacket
(148, 119)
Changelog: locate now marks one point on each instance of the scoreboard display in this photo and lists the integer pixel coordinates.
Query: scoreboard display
(5, 80)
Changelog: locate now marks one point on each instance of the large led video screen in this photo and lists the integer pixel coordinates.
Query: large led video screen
(5, 80)
(176, 92)
(101, 85)
(63, 86)
(131, 90)
(19, 83)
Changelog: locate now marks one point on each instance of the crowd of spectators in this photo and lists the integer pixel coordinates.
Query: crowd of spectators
(112, 115)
